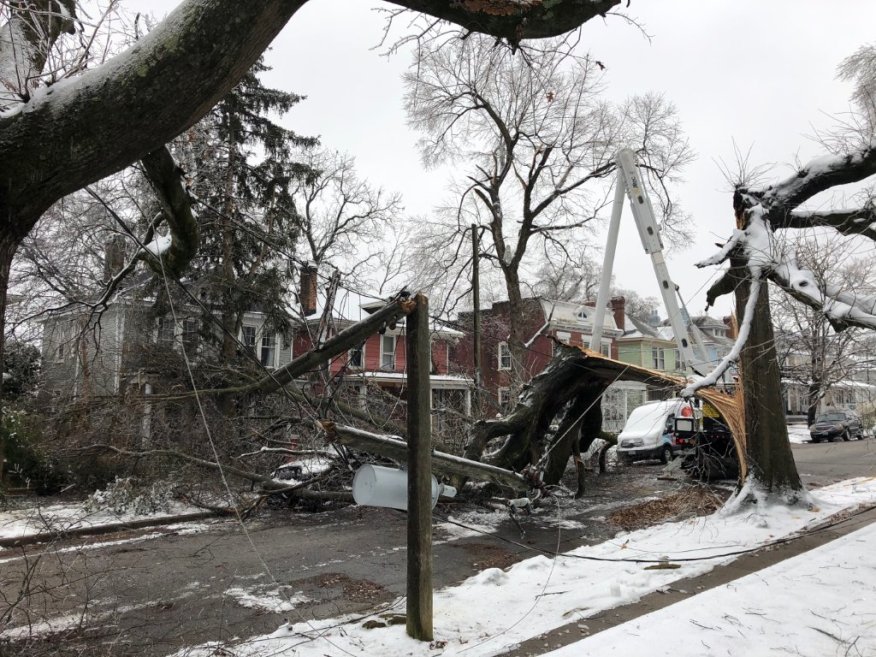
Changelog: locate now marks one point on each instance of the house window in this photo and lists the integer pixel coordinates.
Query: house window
(387, 352)
(190, 334)
(356, 357)
(165, 331)
(504, 356)
(605, 349)
(658, 358)
(504, 397)
(249, 337)
(269, 349)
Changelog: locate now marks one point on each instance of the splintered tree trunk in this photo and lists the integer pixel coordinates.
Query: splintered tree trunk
(569, 378)
(768, 450)
(579, 428)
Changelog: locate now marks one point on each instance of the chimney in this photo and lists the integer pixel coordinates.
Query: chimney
(618, 306)
(307, 291)
(732, 327)
(114, 257)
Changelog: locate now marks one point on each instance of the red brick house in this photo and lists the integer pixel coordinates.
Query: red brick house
(381, 360)
(544, 321)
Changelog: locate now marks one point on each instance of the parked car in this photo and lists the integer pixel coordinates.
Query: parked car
(837, 424)
(650, 432)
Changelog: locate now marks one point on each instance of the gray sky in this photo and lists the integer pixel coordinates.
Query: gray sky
(760, 73)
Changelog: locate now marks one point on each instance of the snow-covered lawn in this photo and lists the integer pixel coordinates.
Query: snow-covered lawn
(815, 604)
(496, 609)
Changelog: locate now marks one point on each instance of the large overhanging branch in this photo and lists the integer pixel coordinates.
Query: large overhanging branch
(843, 309)
(115, 114)
(817, 176)
(861, 221)
(166, 178)
(514, 20)
(347, 339)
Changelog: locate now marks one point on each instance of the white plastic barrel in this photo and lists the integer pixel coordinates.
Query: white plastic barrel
(375, 485)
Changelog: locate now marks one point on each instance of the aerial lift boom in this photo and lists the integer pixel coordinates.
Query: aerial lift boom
(629, 182)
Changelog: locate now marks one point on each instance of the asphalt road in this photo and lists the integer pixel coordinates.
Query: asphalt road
(155, 593)
(820, 464)
(152, 592)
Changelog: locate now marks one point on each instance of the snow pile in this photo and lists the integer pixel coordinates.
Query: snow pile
(497, 609)
(159, 246)
(272, 601)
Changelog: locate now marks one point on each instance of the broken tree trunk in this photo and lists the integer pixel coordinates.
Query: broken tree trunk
(573, 377)
(573, 373)
(572, 438)
(396, 449)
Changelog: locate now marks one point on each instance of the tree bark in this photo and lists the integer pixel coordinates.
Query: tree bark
(166, 178)
(768, 450)
(514, 21)
(570, 438)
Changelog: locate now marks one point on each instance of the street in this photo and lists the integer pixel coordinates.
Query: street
(820, 464)
(151, 592)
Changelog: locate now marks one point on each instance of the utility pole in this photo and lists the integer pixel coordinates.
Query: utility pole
(419, 584)
(476, 303)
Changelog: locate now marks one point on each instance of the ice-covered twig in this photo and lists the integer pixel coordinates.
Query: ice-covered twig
(725, 251)
(712, 378)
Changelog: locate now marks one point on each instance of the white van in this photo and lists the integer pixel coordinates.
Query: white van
(649, 432)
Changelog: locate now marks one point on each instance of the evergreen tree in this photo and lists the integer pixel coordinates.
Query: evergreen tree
(241, 165)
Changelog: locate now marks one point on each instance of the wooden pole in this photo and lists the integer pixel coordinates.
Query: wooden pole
(419, 584)
(476, 315)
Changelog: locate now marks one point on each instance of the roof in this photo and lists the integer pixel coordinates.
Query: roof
(350, 307)
(570, 313)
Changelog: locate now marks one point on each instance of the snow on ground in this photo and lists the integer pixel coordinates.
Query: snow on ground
(273, 600)
(797, 607)
(69, 516)
(798, 433)
(495, 610)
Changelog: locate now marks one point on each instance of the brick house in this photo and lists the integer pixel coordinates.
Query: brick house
(130, 349)
(381, 360)
(544, 321)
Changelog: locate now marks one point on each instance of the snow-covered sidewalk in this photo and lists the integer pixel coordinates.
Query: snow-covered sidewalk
(815, 604)
(495, 610)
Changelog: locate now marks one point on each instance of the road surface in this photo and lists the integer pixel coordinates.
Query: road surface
(820, 464)
(153, 592)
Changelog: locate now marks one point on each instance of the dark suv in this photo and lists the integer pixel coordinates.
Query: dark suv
(837, 424)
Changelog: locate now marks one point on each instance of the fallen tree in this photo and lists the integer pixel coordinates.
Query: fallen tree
(571, 389)
(395, 448)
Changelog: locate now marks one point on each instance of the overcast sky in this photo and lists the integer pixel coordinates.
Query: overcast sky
(759, 72)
